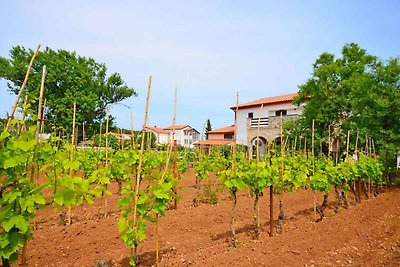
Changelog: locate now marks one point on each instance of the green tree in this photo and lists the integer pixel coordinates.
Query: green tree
(356, 92)
(208, 128)
(69, 78)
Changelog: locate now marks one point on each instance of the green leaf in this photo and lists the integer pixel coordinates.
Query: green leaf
(10, 163)
(123, 202)
(17, 221)
(4, 135)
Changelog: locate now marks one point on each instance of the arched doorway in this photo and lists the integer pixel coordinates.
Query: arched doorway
(261, 142)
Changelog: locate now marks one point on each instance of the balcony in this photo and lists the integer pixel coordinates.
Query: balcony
(268, 122)
(254, 122)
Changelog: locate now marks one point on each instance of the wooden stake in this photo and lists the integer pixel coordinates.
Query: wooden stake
(235, 133)
(100, 136)
(175, 189)
(329, 142)
(72, 154)
(132, 131)
(157, 249)
(232, 223)
(39, 114)
(21, 90)
(23, 128)
(356, 148)
(119, 132)
(348, 144)
(103, 197)
(73, 132)
(107, 122)
(313, 168)
(258, 133)
(139, 169)
(373, 147)
(305, 146)
(175, 172)
(42, 116)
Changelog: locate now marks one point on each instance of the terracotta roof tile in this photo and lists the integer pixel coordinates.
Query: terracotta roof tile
(227, 129)
(267, 101)
(157, 129)
(176, 127)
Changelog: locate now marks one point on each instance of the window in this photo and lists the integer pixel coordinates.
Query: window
(228, 136)
(250, 115)
(282, 112)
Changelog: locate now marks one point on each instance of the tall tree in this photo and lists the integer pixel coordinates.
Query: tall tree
(70, 78)
(208, 128)
(356, 92)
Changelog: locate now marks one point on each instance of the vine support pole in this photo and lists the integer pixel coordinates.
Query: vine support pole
(329, 141)
(42, 114)
(258, 133)
(313, 167)
(139, 168)
(24, 107)
(157, 243)
(72, 154)
(356, 148)
(357, 158)
(232, 223)
(175, 188)
(107, 122)
(257, 193)
(132, 133)
(39, 118)
(21, 90)
(348, 144)
(295, 145)
(175, 173)
(103, 197)
(271, 210)
(101, 132)
(73, 134)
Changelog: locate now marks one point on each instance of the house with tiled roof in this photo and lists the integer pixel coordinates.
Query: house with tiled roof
(265, 114)
(225, 133)
(162, 136)
(218, 137)
(185, 135)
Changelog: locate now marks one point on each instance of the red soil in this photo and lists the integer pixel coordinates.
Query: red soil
(366, 234)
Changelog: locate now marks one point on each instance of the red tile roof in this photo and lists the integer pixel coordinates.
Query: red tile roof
(267, 101)
(176, 127)
(213, 142)
(157, 129)
(227, 129)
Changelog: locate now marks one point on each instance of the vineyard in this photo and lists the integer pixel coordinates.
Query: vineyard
(180, 207)
(54, 173)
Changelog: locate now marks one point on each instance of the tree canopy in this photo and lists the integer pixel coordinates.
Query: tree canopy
(70, 78)
(356, 92)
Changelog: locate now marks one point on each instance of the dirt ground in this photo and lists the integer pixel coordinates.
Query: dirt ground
(366, 234)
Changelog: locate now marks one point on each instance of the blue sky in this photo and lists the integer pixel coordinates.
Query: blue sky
(209, 50)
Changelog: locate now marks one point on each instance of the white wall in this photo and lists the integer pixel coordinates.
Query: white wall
(163, 138)
(267, 111)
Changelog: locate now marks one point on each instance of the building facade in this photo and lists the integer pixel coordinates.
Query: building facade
(218, 137)
(162, 136)
(262, 118)
(185, 135)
